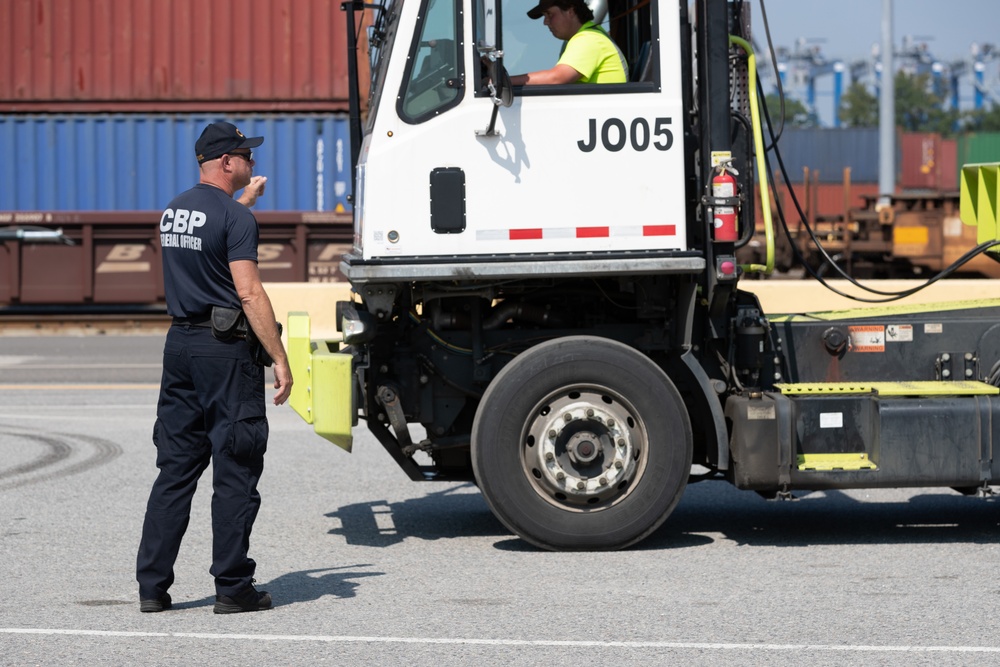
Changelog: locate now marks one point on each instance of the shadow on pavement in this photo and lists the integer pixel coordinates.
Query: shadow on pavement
(708, 511)
(828, 517)
(451, 512)
(303, 586)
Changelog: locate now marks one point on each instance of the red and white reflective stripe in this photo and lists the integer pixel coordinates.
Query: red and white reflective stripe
(546, 233)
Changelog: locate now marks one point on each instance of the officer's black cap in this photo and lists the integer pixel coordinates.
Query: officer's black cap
(220, 138)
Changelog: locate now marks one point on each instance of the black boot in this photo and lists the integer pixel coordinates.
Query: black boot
(249, 599)
(158, 604)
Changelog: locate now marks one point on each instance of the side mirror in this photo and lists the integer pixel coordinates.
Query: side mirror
(501, 92)
(489, 44)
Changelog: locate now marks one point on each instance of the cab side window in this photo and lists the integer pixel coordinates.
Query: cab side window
(529, 47)
(434, 79)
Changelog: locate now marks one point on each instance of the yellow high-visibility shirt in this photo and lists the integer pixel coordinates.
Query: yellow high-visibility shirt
(593, 53)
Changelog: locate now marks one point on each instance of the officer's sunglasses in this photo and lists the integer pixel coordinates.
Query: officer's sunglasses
(248, 156)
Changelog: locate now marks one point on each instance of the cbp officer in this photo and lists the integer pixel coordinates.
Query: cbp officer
(211, 404)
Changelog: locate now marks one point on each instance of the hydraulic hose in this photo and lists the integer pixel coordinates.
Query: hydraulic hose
(758, 140)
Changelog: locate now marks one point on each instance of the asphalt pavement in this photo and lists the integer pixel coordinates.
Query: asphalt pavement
(367, 567)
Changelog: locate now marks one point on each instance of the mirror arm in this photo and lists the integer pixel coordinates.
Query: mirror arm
(491, 131)
(505, 96)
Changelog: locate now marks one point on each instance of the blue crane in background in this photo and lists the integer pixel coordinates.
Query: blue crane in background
(800, 69)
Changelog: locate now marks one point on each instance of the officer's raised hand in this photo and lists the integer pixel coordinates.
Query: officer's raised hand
(252, 191)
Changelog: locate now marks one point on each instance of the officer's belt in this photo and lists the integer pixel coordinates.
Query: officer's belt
(195, 321)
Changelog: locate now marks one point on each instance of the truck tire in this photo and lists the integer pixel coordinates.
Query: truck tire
(581, 443)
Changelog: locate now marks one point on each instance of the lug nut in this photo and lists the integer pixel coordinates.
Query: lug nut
(621, 442)
(581, 485)
(611, 423)
(603, 481)
(560, 475)
(568, 417)
(549, 456)
(590, 412)
(552, 434)
(619, 465)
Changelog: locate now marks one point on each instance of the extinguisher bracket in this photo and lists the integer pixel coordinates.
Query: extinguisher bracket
(708, 200)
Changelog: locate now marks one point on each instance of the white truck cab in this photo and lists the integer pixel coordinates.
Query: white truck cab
(575, 168)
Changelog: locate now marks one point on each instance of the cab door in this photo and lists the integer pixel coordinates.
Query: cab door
(589, 168)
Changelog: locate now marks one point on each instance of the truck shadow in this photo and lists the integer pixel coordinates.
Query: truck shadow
(456, 511)
(709, 511)
(828, 518)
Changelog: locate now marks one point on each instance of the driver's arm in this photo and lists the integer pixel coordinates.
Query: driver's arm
(556, 75)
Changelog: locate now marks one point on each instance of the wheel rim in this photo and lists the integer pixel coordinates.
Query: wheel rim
(583, 448)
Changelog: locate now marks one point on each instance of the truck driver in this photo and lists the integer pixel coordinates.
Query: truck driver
(589, 54)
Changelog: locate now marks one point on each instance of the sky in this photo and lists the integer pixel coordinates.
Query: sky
(847, 30)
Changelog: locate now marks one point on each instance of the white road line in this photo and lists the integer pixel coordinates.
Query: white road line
(18, 411)
(510, 642)
(73, 367)
(76, 387)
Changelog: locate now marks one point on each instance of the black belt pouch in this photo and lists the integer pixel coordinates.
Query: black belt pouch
(228, 323)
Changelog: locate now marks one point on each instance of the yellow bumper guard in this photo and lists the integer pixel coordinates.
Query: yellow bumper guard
(322, 392)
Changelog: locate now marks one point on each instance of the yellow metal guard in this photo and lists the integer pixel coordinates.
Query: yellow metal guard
(828, 462)
(978, 202)
(911, 388)
(322, 389)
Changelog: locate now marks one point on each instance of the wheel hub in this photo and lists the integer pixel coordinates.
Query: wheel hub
(583, 447)
(582, 450)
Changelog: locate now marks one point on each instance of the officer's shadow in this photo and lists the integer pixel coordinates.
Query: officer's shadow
(304, 586)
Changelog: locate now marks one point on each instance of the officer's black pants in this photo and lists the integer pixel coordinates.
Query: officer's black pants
(211, 406)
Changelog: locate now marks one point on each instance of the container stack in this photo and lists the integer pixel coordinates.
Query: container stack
(101, 102)
(925, 163)
(818, 158)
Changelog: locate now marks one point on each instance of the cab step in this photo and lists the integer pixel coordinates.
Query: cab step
(836, 462)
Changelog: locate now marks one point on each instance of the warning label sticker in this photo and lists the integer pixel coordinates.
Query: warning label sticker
(899, 333)
(867, 338)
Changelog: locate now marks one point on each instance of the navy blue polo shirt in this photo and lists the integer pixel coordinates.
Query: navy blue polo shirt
(201, 232)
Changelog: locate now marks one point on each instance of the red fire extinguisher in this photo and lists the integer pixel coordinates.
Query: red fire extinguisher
(724, 185)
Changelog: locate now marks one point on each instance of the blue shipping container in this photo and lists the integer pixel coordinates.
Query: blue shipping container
(126, 162)
(829, 151)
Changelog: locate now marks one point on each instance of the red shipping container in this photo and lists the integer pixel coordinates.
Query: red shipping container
(928, 162)
(61, 56)
(948, 166)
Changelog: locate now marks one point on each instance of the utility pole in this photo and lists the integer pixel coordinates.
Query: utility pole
(887, 113)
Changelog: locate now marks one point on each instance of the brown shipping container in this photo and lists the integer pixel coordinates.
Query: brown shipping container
(825, 200)
(928, 162)
(59, 56)
(114, 256)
